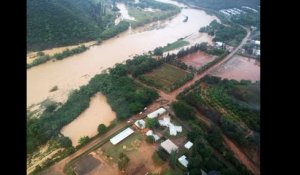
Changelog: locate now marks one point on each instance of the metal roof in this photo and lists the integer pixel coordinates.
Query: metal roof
(122, 135)
(169, 146)
(156, 113)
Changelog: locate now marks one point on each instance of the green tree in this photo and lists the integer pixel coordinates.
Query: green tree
(158, 51)
(102, 129)
(150, 139)
(64, 141)
(173, 159)
(123, 161)
(119, 69)
(183, 111)
(83, 140)
(151, 123)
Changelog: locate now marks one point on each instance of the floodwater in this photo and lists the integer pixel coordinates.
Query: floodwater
(87, 122)
(124, 13)
(239, 68)
(197, 59)
(71, 73)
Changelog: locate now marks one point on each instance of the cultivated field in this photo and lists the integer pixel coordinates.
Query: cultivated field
(238, 68)
(197, 59)
(166, 75)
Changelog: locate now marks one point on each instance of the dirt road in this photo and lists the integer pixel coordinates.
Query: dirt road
(241, 156)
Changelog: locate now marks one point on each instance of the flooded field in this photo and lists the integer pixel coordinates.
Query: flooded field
(239, 68)
(197, 59)
(77, 70)
(87, 122)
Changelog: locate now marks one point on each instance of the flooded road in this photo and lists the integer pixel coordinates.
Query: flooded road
(87, 122)
(77, 70)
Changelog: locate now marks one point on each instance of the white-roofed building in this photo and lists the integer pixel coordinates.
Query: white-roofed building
(256, 52)
(140, 123)
(121, 136)
(183, 161)
(169, 146)
(150, 133)
(166, 121)
(188, 145)
(157, 113)
(257, 42)
(219, 44)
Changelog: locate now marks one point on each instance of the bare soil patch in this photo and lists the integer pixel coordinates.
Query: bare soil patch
(197, 59)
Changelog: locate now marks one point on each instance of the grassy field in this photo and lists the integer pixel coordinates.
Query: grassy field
(131, 143)
(143, 17)
(177, 44)
(166, 75)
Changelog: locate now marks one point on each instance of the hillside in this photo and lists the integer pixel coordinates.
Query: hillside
(54, 23)
(223, 4)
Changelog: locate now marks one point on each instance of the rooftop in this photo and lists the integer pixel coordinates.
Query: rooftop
(156, 113)
(169, 146)
(140, 123)
(122, 135)
(188, 145)
(183, 161)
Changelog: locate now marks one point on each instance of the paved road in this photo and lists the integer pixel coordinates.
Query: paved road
(57, 169)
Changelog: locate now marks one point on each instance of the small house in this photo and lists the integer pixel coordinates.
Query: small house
(169, 146)
(183, 161)
(140, 124)
(188, 145)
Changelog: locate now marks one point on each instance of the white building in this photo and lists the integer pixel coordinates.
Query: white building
(219, 44)
(169, 146)
(188, 145)
(173, 129)
(183, 161)
(121, 136)
(150, 133)
(157, 113)
(256, 52)
(140, 123)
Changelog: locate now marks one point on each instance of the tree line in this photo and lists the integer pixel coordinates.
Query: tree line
(231, 35)
(42, 57)
(123, 94)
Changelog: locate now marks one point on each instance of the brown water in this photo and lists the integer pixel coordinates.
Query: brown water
(239, 68)
(87, 122)
(75, 71)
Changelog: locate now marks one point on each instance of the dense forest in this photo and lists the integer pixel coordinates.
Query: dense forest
(123, 94)
(231, 35)
(231, 104)
(55, 23)
(223, 4)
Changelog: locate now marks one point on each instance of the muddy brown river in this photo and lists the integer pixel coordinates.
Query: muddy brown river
(77, 70)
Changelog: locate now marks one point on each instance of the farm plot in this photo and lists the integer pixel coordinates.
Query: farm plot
(197, 59)
(166, 77)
